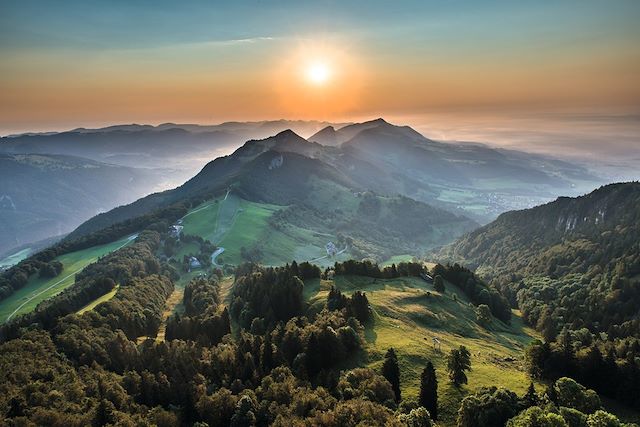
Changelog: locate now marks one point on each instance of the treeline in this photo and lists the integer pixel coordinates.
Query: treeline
(475, 289)
(612, 369)
(370, 269)
(573, 262)
(136, 261)
(267, 295)
(44, 263)
(204, 319)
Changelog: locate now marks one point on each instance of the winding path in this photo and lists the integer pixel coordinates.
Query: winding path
(215, 255)
(326, 256)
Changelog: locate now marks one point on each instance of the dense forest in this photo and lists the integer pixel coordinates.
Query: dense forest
(258, 355)
(280, 364)
(576, 259)
(573, 268)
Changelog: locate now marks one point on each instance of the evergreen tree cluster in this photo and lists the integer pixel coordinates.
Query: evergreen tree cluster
(610, 368)
(204, 319)
(475, 289)
(370, 269)
(355, 306)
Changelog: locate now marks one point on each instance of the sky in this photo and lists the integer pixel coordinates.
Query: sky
(438, 65)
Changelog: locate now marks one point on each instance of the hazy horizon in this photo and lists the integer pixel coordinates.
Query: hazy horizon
(527, 67)
(610, 140)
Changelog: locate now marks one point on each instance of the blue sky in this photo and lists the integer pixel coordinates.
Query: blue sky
(121, 24)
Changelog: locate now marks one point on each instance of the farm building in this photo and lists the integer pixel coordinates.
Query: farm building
(332, 250)
(194, 263)
(426, 277)
(175, 230)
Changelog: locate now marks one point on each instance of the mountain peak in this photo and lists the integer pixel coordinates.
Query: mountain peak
(327, 129)
(284, 141)
(325, 136)
(287, 133)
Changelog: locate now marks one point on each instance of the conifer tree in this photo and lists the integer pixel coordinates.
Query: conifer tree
(429, 390)
(458, 362)
(391, 371)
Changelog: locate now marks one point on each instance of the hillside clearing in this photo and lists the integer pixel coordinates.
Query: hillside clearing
(408, 314)
(104, 298)
(235, 223)
(39, 289)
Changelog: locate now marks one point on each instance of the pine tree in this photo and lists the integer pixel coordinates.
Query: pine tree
(429, 390)
(104, 413)
(391, 371)
(458, 362)
(438, 283)
(551, 394)
(266, 358)
(530, 398)
(360, 307)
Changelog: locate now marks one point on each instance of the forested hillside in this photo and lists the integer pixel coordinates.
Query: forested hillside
(584, 252)
(573, 267)
(261, 354)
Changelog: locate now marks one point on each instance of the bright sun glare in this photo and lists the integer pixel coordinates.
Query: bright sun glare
(318, 73)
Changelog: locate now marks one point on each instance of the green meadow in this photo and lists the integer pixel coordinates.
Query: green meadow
(39, 289)
(234, 223)
(409, 314)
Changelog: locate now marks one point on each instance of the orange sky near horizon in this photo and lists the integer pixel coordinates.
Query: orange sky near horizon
(427, 61)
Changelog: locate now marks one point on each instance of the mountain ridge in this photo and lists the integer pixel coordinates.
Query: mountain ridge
(573, 262)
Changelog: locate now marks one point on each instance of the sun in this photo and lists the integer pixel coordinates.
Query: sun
(318, 73)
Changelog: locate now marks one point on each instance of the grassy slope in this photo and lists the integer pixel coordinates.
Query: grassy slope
(36, 287)
(104, 298)
(406, 318)
(235, 223)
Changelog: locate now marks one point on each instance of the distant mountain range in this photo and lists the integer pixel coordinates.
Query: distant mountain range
(178, 146)
(79, 173)
(49, 195)
(470, 180)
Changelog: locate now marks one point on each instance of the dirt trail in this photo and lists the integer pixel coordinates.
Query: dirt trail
(172, 302)
(225, 290)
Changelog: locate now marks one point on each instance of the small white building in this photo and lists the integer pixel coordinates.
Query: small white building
(175, 230)
(194, 263)
(332, 250)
